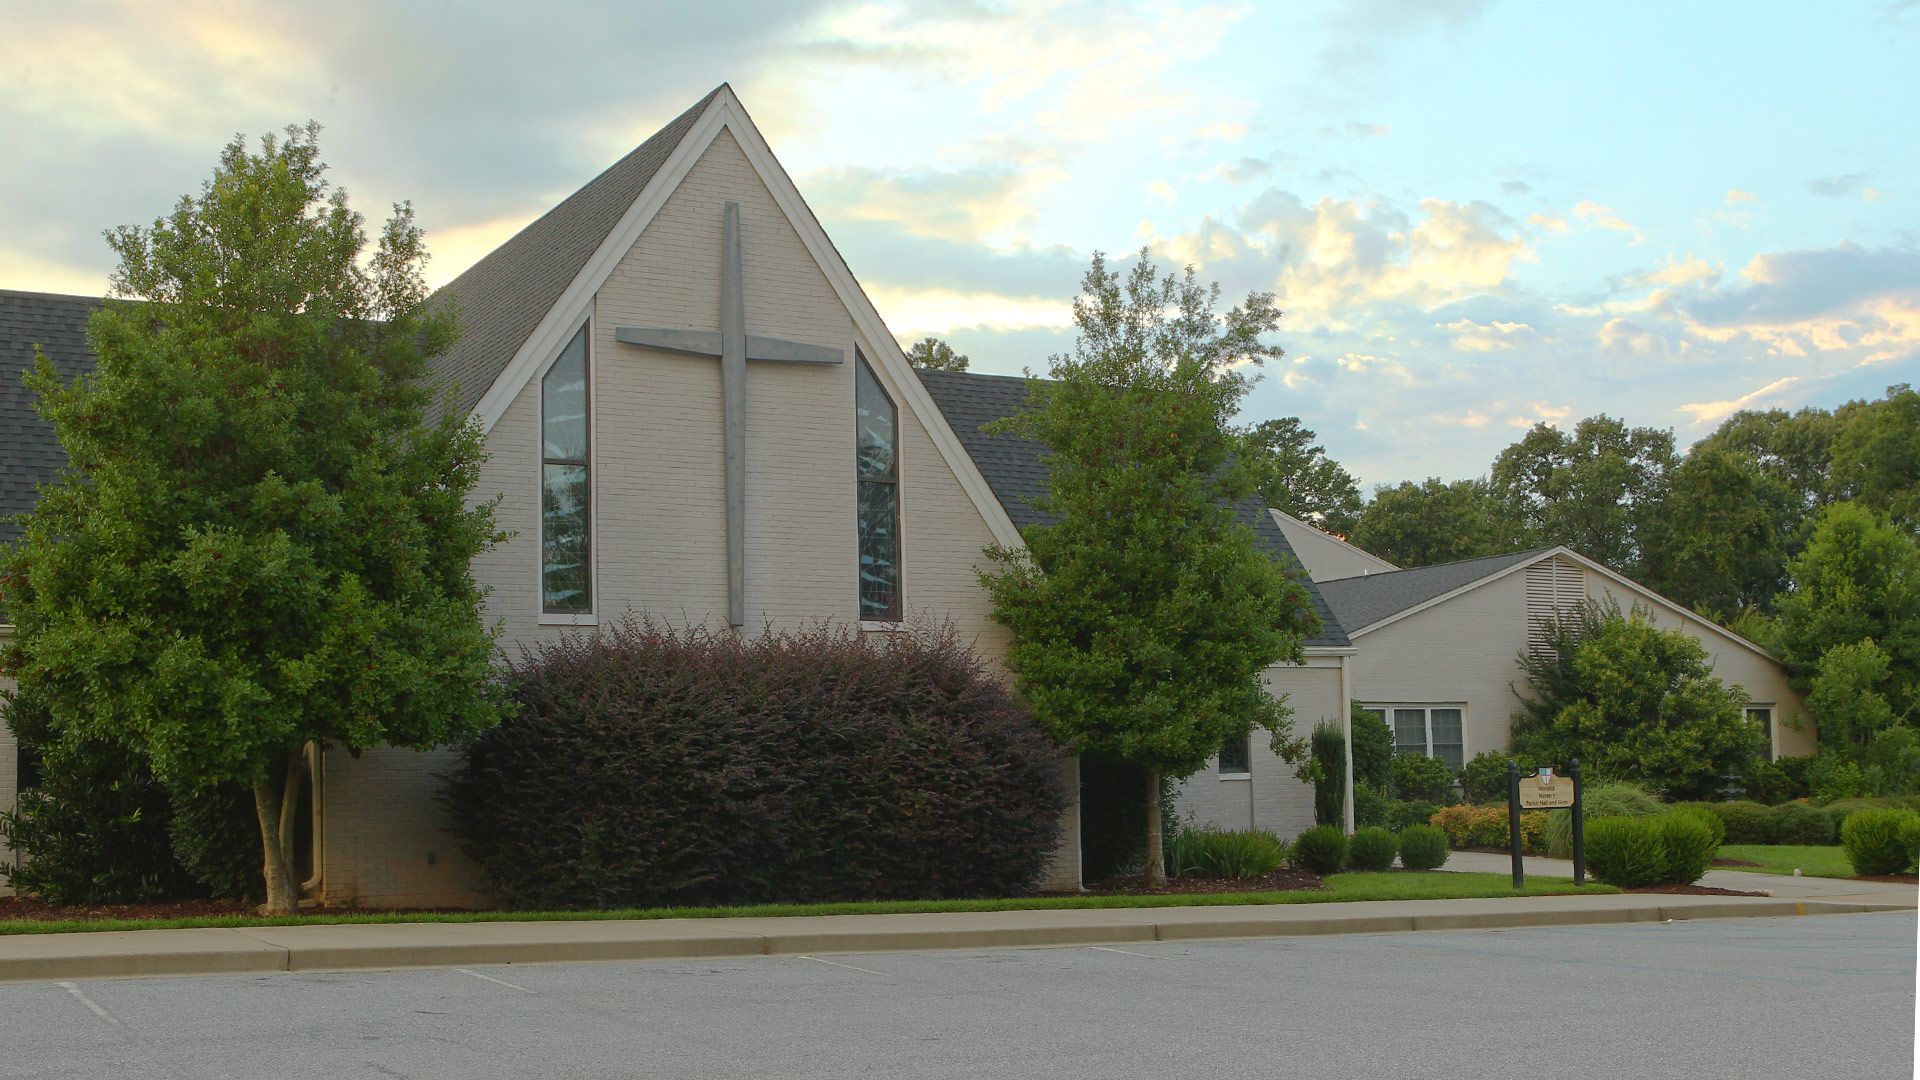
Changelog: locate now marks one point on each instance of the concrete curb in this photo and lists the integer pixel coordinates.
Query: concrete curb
(259, 950)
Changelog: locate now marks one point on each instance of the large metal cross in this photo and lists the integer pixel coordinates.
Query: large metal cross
(734, 346)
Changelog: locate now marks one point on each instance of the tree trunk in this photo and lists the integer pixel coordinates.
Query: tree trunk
(1156, 853)
(276, 808)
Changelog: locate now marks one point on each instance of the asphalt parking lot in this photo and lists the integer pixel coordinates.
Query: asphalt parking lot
(1750, 998)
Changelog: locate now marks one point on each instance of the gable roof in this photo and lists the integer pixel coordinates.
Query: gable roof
(1017, 471)
(1363, 601)
(30, 455)
(504, 296)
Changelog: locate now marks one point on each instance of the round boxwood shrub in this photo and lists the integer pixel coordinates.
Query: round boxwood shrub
(1422, 847)
(1875, 841)
(1321, 849)
(646, 766)
(1799, 823)
(1689, 843)
(1400, 814)
(1747, 822)
(1704, 812)
(1372, 849)
(1627, 852)
(1910, 839)
(1596, 802)
(1484, 780)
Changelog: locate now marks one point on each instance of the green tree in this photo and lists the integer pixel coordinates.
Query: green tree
(1143, 615)
(1293, 473)
(1792, 449)
(1858, 580)
(257, 544)
(1876, 455)
(1593, 489)
(931, 352)
(1433, 522)
(1639, 703)
(1719, 544)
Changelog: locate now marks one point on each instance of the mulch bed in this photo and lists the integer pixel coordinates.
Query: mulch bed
(27, 907)
(1693, 890)
(1285, 879)
(1735, 862)
(1897, 879)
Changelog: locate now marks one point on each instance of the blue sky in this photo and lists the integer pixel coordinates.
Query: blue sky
(1476, 215)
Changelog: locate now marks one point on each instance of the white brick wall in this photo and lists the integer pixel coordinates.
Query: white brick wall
(659, 499)
(1271, 797)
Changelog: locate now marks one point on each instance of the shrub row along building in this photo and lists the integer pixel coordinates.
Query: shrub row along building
(693, 411)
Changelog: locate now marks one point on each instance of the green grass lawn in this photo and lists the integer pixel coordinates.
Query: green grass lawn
(1813, 860)
(1387, 885)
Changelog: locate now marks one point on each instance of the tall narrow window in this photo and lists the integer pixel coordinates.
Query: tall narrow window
(565, 519)
(877, 460)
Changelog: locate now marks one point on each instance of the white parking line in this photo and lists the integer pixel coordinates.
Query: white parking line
(92, 1005)
(491, 979)
(849, 967)
(1128, 952)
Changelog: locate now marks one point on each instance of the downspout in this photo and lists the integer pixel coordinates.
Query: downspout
(1346, 732)
(314, 887)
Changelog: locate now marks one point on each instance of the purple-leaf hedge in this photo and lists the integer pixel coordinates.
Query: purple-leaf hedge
(651, 766)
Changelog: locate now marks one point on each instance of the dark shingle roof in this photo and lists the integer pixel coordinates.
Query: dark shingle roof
(1362, 601)
(504, 296)
(29, 454)
(1017, 473)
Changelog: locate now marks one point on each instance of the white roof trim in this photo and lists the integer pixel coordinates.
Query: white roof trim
(1611, 575)
(725, 113)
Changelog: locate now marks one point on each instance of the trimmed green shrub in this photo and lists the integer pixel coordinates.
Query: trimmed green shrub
(1596, 802)
(1689, 843)
(1798, 823)
(1704, 811)
(1628, 852)
(216, 838)
(1404, 814)
(1371, 804)
(1910, 838)
(1372, 849)
(1215, 853)
(1838, 812)
(1423, 847)
(1329, 750)
(647, 767)
(1485, 778)
(96, 832)
(1875, 841)
(1746, 821)
(1421, 778)
(1321, 849)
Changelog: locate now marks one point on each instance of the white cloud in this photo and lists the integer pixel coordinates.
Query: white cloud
(1712, 412)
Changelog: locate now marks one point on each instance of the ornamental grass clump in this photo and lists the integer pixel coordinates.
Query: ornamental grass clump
(1217, 853)
(1879, 841)
(1422, 847)
(1372, 848)
(654, 767)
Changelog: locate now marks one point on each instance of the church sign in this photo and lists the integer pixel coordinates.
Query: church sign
(1545, 791)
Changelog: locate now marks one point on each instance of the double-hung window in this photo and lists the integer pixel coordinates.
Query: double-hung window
(566, 520)
(1763, 716)
(1236, 757)
(877, 469)
(1435, 731)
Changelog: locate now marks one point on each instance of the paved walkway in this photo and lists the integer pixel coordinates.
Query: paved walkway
(1783, 886)
(401, 945)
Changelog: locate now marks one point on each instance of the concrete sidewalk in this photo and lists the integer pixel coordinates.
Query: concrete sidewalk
(399, 945)
(1782, 886)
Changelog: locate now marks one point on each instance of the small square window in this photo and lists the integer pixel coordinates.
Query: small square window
(1236, 756)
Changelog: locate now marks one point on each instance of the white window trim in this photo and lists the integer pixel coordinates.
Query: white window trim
(884, 626)
(1248, 775)
(578, 618)
(1426, 708)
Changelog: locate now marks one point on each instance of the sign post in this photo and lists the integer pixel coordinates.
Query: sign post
(1579, 829)
(1513, 824)
(1541, 789)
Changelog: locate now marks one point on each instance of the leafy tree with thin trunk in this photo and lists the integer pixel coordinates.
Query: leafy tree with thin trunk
(1593, 489)
(258, 544)
(1143, 614)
